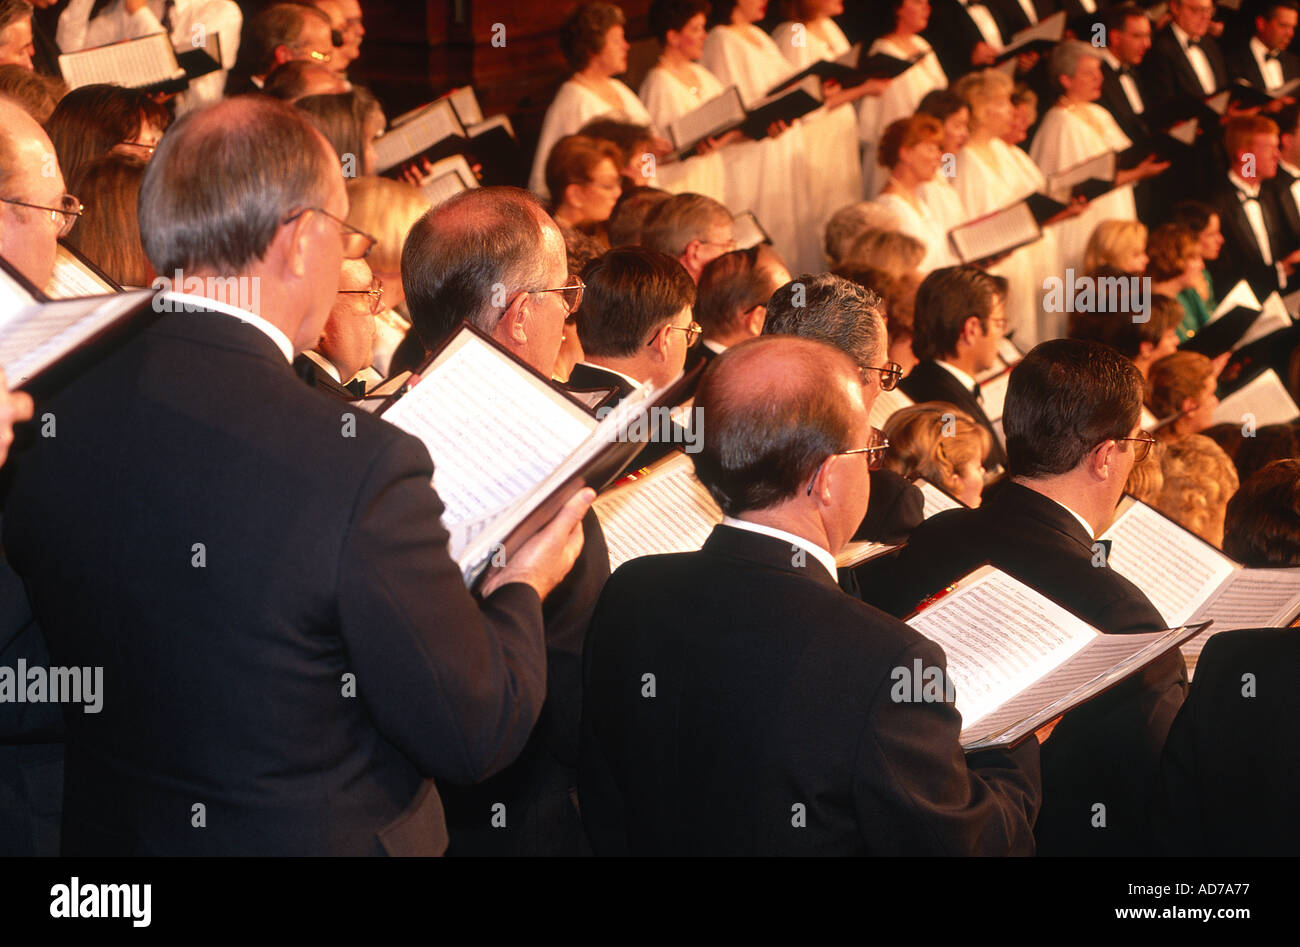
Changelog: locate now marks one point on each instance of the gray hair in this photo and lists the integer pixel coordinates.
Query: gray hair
(1066, 57)
(224, 179)
(850, 222)
(672, 225)
(830, 309)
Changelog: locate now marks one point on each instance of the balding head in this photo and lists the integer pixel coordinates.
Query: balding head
(778, 408)
(29, 172)
(481, 257)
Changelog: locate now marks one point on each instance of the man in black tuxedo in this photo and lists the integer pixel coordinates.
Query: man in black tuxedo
(347, 343)
(493, 257)
(1128, 39)
(1263, 60)
(1287, 182)
(290, 657)
(960, 317)
(738, 703)
(1073, 422)
(841, 313)
(1185, 64)
(731, 299)
(1232, 761)
(965, 35)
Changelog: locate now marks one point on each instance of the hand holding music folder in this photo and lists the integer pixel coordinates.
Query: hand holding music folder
(1017, 660)
(148, 63)
(1041, 36)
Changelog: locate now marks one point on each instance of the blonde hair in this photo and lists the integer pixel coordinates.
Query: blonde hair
(1199, 480)
(1147, 479)
(892, 251)
(934, 440)
(1173, 380)
(981, 88)
(1111, 242)
(387, 210)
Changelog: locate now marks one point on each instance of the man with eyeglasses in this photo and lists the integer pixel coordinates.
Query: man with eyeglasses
(261, 572)
(342, 54)
(34, 210)
(492, 256)
(1072, 418)
(278, 34)
(346, 343)
(739, 703)
(1185, 64)
(691, 228)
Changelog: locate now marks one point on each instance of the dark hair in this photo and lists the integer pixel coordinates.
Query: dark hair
(673, 224)
(1286, 118)
(1063, 399)
(720, 12)
(1124, 329)
(280, 24)
(289, 80)
(627, 137)
(341, 117)
(579, 248)
(1266, 8)
(946, 298)
(673, 15)
(458, 252)
(730, 285)
(629, 214)
(108, 231)
(769, 431)
(832, 310)
(91, 120)
(1269, 443)
(11, 11)
(223, 180)
(37, 94)
(582, 36)
(1262, 524)
(1168, 247)
(941, 104)
(631, 292)
(573, 160)
(1194, 215)
(1117, 16)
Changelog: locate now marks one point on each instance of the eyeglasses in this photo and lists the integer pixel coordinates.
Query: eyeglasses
(890, 375)
(570, 292)
(356, 243)
(693, 332)
(1142, 445)
(336, 37)
(65, 215)
(375, 292)
(148, 149)
(875, 455)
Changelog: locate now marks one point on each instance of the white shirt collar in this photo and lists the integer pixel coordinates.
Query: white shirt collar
(274, 333)
(1109, 58)
(1258, 48)
(966, 381)
(1087, 527)
(717, 348)
(324, 363)
(821, 555)
(1288, 167)
(614, 371)
(1181, 35)
(1251, 188)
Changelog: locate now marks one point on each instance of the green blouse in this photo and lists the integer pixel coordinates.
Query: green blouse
(1196, 311)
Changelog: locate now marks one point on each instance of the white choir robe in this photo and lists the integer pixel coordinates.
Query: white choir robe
(927, 229)
(993, 177)
(1070, 135)
(768, 177)
(831, 134)
(575, 105)
(942, 203)
(899, 100)
(666, 99)
(192, 22)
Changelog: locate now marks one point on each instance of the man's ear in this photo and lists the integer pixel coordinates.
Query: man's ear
(282, 54)
(512, 328)
(659, 344)
(1188, 405)
(1103, 458)
(1145, 349)
(971, 330)
(289, 251)
(690, 256)
(755, 318)
(573, 196)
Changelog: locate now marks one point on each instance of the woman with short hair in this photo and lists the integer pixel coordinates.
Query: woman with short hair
(941, 443)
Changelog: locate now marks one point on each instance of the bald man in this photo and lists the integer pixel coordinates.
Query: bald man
(737, 702)
(31, 195)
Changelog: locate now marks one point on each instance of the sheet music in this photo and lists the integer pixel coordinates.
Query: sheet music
(448, 178)
(997, 232)
(133, 63)
(999, 636)
(667, 510)
(1240, 295)
(859, 551)
(747, 231)
(1102, 167)
(72, 278)
(494, 432)
(935, 500)
(1175, 569)
(1265, 397)
(34, 338)
(715, 115)
(1273, 317)
(465, 101)
(994, 393)
(436, 123)
(887, 402)
(496, 121)
(1185, 131)
(1049, 29)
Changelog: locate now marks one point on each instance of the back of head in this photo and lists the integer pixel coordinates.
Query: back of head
(468, 256)
(1174, 379)
(833, 310)
(385, 209)
(36, 93)
(223, 181)
(672, 225)
(631, 140)
(946, 298)
(934, 440)
(1063, 399)
(941, 104)
(342, 117)
(1194, 215)
(895, 252)
(91, 120)
(108, 232)
(575, 160)
(1199, 479)
(1124, 328)
(297, 78)
(1168, 249)
(729, 286)
(776, 409)
(280, 24)
(629, 214)
(1269, 443)
(1262, 525)
(631, 292)
(850, 222)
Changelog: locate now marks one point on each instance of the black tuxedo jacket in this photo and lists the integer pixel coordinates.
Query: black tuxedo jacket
(586, 376)
(895, 508)
(1231, 764)
(1105, 751)
(699, 355)
(321, 380)
(264, 578)
(1170, 81)
(1241, 256)
(1114, 100)
(771, 729)
(1290, 210)
(1241, 64)
(930, 381)
(953, 35)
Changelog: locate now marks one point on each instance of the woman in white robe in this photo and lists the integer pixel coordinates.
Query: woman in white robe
(677, 85)
(832, 131)
(769, 177)
(912, 151)
(992, 176)
(905, 92)
(1076, 130)
(592, 91)
(939, 198)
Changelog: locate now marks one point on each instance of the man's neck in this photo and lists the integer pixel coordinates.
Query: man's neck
(1065, 489)
(965, 363)
(632, 368)
(806, 525)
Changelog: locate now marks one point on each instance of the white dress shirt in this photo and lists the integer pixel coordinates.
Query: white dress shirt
(817, 552)
(175, 301)
(1199, 61)
(984, 22)
(1270, 69)
(967, 381)
(1126, 82)
(1249, 196)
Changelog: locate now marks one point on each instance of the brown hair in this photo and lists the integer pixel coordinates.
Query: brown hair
(906, 133)
(1174, 379)
(934, 440)
(631, 292)
(672, 225)
(1262, 525)
(946, 298)
(91, 120)
(582, 36)
(1168, 249)
(108, 231)
(574, 160)
(37, 94)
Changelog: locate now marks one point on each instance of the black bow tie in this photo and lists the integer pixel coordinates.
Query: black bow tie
(1126, 71)
(1245, 195)
(357, 386)
(975, 390)
(1273, 56)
